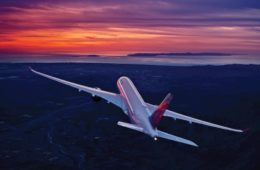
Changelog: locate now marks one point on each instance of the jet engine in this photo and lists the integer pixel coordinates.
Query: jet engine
(96, 98)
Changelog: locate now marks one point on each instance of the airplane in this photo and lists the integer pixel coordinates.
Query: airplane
(145, 117)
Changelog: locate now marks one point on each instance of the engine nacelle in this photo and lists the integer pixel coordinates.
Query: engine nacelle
(96, 98)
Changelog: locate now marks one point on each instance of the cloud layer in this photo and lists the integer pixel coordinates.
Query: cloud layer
(115, 27)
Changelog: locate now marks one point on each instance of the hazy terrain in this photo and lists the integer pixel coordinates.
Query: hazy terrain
(168, 59)
(46, 125)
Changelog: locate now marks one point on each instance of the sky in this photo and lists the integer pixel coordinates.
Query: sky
(116, 27)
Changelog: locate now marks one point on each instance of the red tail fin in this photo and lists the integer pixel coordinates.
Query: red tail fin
(158, 113)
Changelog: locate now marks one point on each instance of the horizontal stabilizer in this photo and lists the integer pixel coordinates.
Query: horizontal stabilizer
(175, 138)
(130, 126)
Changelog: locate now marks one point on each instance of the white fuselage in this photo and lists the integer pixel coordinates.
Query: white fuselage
(136, 108)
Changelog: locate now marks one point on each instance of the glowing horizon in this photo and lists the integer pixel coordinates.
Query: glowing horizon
(115, 27)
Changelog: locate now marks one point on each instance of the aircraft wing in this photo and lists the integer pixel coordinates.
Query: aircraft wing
(175, 115)
(110, 97)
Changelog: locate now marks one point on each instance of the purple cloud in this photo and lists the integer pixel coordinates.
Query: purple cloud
(228, 19)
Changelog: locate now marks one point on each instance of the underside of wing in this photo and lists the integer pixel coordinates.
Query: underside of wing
(110, 97)
(175, 115)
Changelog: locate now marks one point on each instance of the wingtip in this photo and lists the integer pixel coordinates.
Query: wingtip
(194, 144)
(245, 130)
(31, 69)
(189, 142)
(242, 131)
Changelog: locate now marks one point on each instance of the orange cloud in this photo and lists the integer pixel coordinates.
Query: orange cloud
(115, 29)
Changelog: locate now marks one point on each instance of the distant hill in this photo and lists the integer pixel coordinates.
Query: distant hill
(178, 54)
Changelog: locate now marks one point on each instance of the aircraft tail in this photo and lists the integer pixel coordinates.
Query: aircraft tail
(158, 113)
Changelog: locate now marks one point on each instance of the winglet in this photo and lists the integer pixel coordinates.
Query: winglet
(36, 72)
(31, 69)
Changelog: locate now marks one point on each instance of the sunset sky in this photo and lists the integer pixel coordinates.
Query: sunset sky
(116, 27)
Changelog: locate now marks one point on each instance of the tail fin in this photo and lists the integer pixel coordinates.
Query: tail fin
(158, 113)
